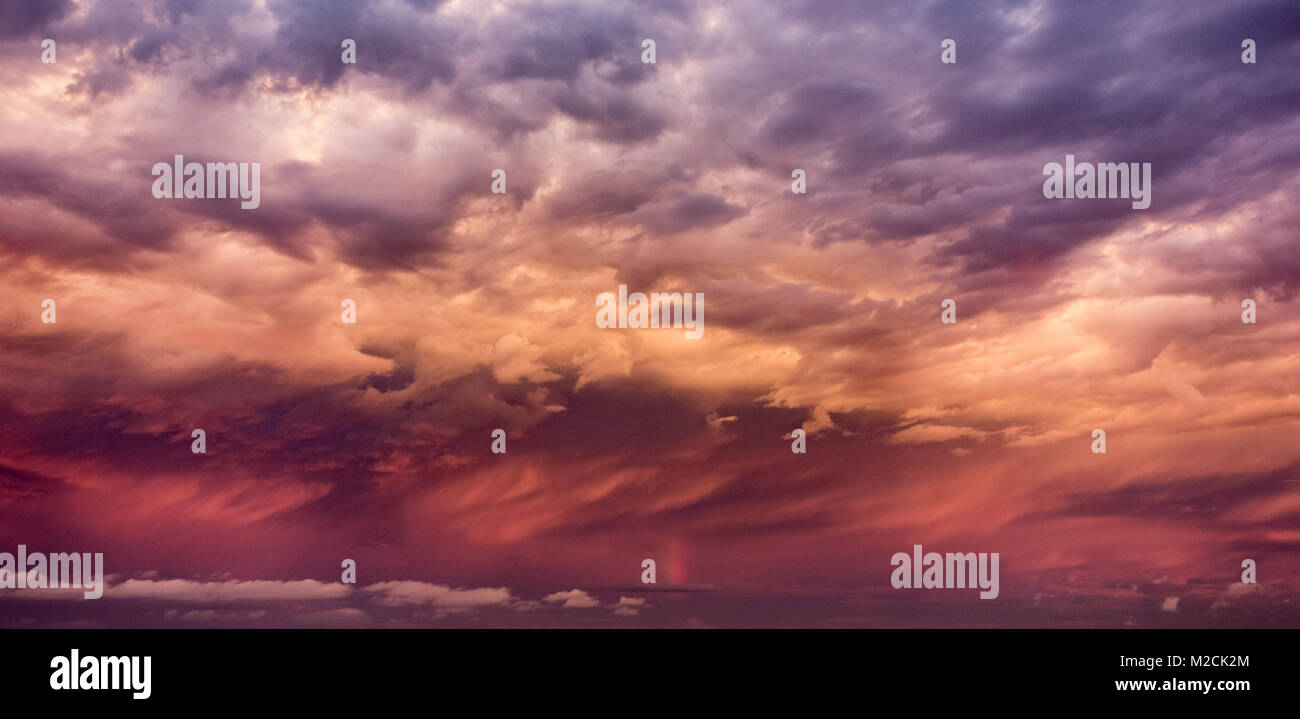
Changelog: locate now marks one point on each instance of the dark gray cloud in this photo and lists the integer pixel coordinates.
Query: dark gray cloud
(20, 18)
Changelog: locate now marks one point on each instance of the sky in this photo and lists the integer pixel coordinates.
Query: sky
(475, 311)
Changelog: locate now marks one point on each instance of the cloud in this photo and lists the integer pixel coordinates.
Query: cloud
(716, 423)
(18, 19)
(401, 593)
(475, 310)
(208, 616)
(629, 606)
(185, 590)
(572, 599)
(515, 359)
(342, 617)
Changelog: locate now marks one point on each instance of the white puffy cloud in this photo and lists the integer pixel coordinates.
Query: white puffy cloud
(188, 590)
(573, 599)
(396, 594)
